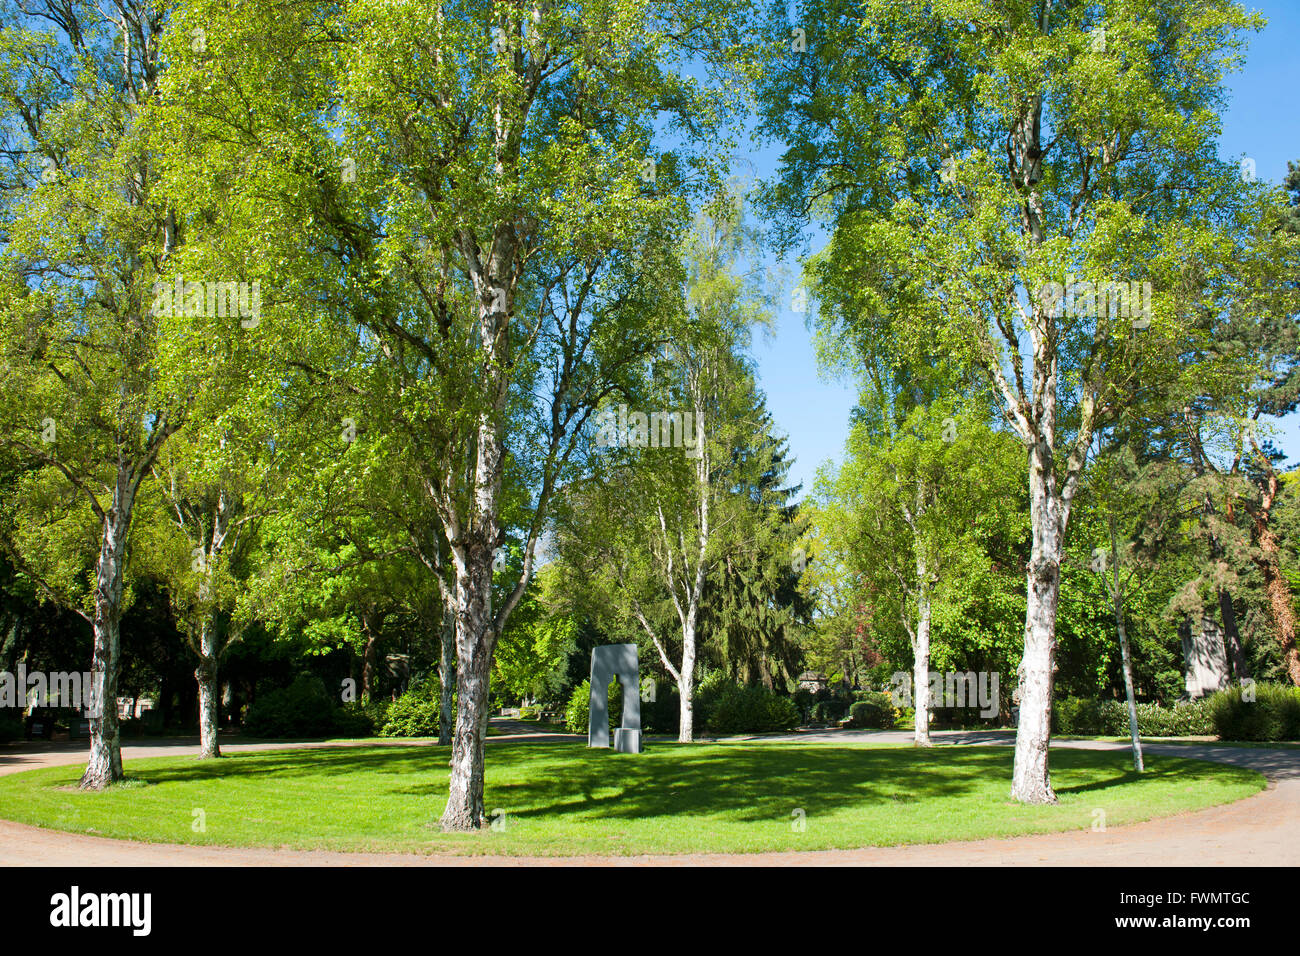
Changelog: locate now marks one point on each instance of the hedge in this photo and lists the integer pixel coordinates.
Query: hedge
(1274, 714)
(1109, 718)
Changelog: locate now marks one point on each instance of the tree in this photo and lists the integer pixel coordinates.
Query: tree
(495, 229)
(993, 175)
(85, 229)
(666, 501)
(913, 511)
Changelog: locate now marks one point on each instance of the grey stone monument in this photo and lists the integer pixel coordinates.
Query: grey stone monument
(615, 660)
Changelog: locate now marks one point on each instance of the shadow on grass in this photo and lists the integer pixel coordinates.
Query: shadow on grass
(738, 782)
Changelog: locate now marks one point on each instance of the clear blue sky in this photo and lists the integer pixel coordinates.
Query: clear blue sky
(1262, 122)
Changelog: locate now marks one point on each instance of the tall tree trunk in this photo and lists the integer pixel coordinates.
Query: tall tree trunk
(1031, 782)
(105, 764)
(206, 676)
(1279, 597)
(465, 799)
(446, 678)
(921, 658)
(1126, 659)
(473, 544)
(1232, 637)
(686, 686)
(368, 654)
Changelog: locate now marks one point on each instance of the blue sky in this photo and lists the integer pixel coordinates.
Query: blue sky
(1262, 122)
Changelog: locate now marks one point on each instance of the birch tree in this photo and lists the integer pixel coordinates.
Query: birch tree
(85, 229)
(481, 181)
(995, 176)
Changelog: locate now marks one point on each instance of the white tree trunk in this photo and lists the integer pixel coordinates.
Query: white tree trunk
(1031, 781)
(1126, 658)
(206, 675)
(921, 665)
(465, 800)
(686, 687)
(105, 764)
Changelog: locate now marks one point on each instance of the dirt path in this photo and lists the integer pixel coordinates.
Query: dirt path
(1260, 830)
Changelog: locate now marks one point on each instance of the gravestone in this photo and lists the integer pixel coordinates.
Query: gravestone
(608, 662)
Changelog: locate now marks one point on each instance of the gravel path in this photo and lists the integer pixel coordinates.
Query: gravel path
(1259, 830)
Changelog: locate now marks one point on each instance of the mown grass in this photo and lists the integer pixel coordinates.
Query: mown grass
(559, 798)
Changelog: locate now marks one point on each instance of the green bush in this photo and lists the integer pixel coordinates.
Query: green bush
(577, 714)
(1274, 714)
(830, 711)
(414, 714)
(751, 710)
(1109, 718)
(303, 709)
(663, 715)
(874, 710)
(361, 718)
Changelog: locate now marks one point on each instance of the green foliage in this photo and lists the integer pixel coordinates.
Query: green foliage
(414, 714)
(874, 709)
(741, 709)
(577, 714)
(1274, 714)
(303, 709)
(1109, 718)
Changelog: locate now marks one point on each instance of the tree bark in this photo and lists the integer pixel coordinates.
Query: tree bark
(105, 764)
(368, 654)
(206, 676)
(465, 799)
(686, 687)
(1031, 781)
(1279, 598)
(1232, 637)
(1126, 659)
(921, 658)
(446, 678)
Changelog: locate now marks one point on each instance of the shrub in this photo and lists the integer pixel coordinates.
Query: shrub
(360, 718)
(874, 710)
(1073, 715)
(303, 709)
(577, 714)
(414, 714)
(1274, 714)
(751, 710)
(829, 711)
(663, 715)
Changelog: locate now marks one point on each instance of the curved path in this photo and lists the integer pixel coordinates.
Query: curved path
(1260, 830)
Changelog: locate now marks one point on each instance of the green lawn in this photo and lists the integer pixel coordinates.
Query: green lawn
(560, 798)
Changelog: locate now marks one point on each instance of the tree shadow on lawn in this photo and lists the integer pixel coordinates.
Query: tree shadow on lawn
(542, 779)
